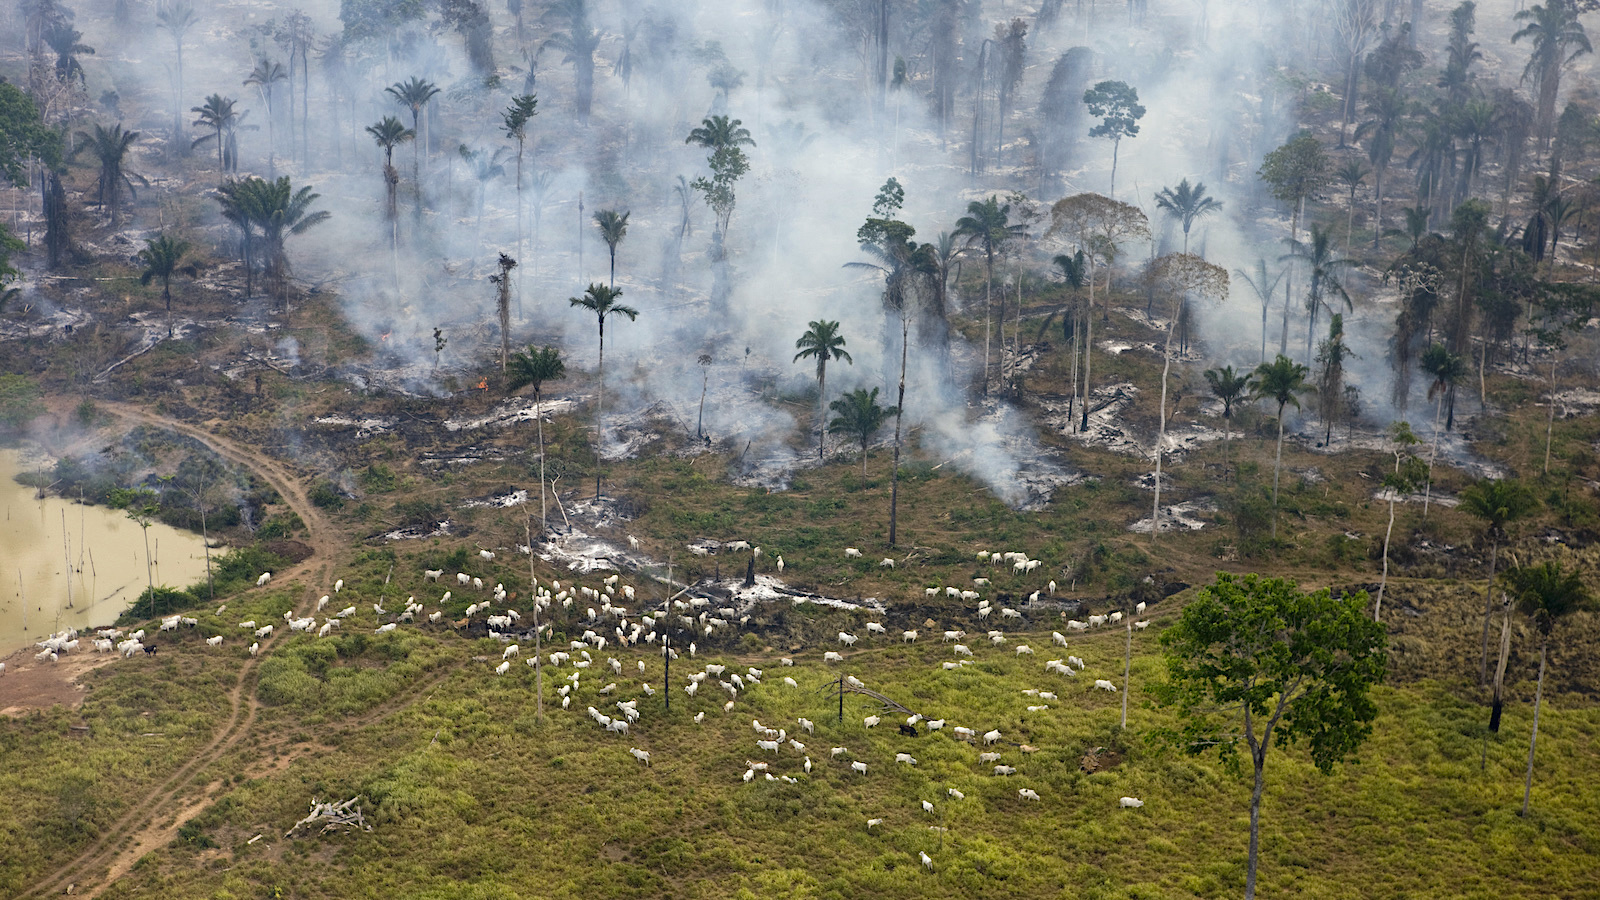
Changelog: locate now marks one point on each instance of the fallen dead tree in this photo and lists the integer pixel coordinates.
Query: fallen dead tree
(333, 816)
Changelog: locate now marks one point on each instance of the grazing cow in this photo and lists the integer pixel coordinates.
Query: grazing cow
(909, 731)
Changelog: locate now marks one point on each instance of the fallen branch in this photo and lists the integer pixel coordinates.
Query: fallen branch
(334, 816)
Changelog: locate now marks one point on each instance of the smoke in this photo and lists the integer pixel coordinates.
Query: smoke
(796, 73)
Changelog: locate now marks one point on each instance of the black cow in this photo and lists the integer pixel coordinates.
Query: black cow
(908, 730)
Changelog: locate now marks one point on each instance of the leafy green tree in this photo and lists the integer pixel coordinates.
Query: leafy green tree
(177, 18)
(1294, 172)
(1254, 662)
(1547, 595)
(110, 147)
(265, 77)
(602, 301)
(414, 94)
(1282, 381)
(579, 42)
(535, 367)
(19, 401)
(822, 341)
(1187, 204)
(24, 136)
(613, 227)
(141, 504)
(1558, 38)
(162, 257)
(987, 225)
(1116, 105)
(1403, 480)
(1497, 502)
(279, 212)
(1228, 387)
(858, 415)
(723, 137)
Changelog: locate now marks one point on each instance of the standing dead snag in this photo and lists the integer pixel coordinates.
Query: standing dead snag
(502, 283)
(333, 816)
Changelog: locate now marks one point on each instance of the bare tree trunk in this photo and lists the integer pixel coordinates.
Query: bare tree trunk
(900, 411)
(1538, 695)
(1088, 351)
(1550, 423)
(988, 313)
(1488, 608)
(1277, 466)
(1255, 824)
(1377, 609)
(1161, 434)
(1500, 669)
(1127, 667)
(538, 414)
(533, 581)
(600, 414)
(1427, 489)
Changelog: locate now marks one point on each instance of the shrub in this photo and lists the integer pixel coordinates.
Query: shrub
(325, 495)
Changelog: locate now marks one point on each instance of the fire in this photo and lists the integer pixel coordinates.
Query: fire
(483, 385)
(385, 337)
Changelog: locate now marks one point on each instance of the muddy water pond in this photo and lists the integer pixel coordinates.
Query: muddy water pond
(63, 564)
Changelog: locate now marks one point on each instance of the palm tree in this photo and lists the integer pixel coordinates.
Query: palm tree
(987, 225)
(1186, 204)
(1283, 380)
(218, 115)
(535, 367)
(280, 212)
(613, 228)
(1475, 124)
(1558, 38)
(860, 417)
(237, 200)
(66, 42)
(1446, 368)
(578, 42)
(1498, 503)
(177, 18)
(1388, 109)
(1545, 594)
(1227, 386)
(1352, 173)
(719, 132)
(414, 95)
(161, 257)
(110, 147)
(387, 134)
(1264, 289)
(264, 76)
(602, 301)
(1318, 256)
(515, 118)
(822, 341)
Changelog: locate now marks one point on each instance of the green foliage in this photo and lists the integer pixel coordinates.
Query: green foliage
(324, 494)
(1296, 170)
(19, 402)
(23, 135)
(1254, 660)
(1116, 105)
(378, 478)
(377, 19)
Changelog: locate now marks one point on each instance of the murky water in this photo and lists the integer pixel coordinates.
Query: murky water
(63, 564)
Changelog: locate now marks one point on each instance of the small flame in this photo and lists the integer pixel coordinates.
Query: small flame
(483, 385)
(386, 336)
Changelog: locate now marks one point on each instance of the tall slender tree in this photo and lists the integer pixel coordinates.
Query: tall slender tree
(987, 226)
(579, 42)
(218, 114)
(1546, 594)
(602, 301)
(1228, 387)
(1558, 38)
(110, 147)
(177, 18)
(414, 94)
(1116, 105)
(1352, 173)
(822, 342)
(858, 415)
(1187, 204)
(502, 283)
(162, 258)
(387, 134)
(613, 227)
(264, 78)
(1446, 369)
(1318, 256)
(535, 367)
(1403, 480)
(1265, 289)
(515, 120)
(1497, 502)
(1282, 381)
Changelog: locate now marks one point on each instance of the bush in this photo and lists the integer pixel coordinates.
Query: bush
(325, 495)
(378, 478)
(163, 601)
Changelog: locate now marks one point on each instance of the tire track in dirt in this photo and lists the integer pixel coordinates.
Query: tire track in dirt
(140, 829)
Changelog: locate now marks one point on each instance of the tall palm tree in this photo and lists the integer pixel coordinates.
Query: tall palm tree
(110, 148)
(387, 134)
(1546, 594)
(1497, 502)
(67, 44)
(265, 77)
(237, 199)
(1352, 173)
(1283, 381)
(1476, 123)
(1264, 289)
(515, 119)
(414, 94)
(177, 18)
(613, 227)
(485, 167)
(987, 225)
(535, 367)
(1186, 204)
(579, 42)
(1446, 368)
(822, 341)
(1558, 38)
(161, 258)
(1227, 386)
(860, 417)
(219, 115)
(602, 301)
(1388, 109)
(1318, 255)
